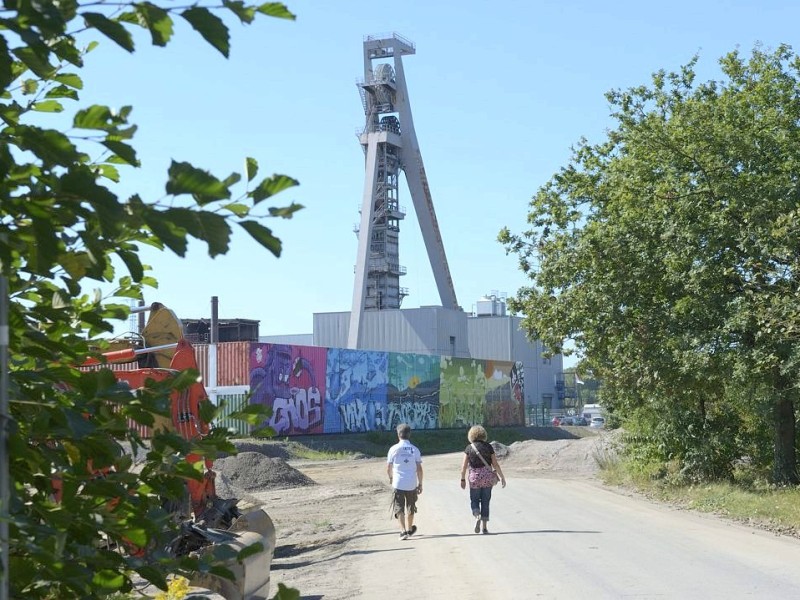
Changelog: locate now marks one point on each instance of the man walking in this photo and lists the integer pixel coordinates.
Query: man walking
(404, 467)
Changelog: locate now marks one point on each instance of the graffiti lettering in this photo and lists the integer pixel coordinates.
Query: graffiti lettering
(301, 411)
(354, 415)
(420, 415)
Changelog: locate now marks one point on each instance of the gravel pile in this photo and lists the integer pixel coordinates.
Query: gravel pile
(254, 472)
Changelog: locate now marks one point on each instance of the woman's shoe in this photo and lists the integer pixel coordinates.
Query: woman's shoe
(478, 525)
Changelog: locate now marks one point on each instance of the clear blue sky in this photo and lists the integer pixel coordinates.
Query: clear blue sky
(499, 91)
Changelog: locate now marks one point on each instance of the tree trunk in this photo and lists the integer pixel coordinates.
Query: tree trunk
(785, 466)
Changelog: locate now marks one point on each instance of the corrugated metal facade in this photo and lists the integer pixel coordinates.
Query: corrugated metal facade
(425, 330)
(233, 403)
(490, 337)
(503, 338)
(298, 339)
(233, 362)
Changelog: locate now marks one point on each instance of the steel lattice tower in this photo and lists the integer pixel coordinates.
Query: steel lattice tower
(390, 145)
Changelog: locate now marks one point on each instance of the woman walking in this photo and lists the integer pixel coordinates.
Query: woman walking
(480, 458)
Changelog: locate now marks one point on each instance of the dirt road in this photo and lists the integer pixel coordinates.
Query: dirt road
(556, 533)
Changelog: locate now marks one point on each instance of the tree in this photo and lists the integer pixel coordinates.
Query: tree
(669, 254)
(62, 228)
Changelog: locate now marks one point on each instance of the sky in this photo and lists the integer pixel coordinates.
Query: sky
(500, 93)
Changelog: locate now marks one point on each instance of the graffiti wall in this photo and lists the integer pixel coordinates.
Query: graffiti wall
(356, 383)
(290, 380)
(413, 395)
(336, 390)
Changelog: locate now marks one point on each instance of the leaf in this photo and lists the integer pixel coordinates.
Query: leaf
(123, 151)
(49, 145)
(263, 236)
(210, 26)
(285, 212)
(62, 91)
(157, 21)
(252, 414)
(108, 171)
(286, 593)
(250, 168)
(34, 62)
(108, 579)
(277, 10)
(184, 178)
(94, 117)
(113, 30)
(166, 230)
(245, 13)
(108, 212)
(240, 210)
(232, 179)
(48, 106)
(153, 575)
(215, 232)
(6, 62)
(65, 50)
(250, 550)
(46, 251)
(70, 79)
(29, 86)
(271, 186)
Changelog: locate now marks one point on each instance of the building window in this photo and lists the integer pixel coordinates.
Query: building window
(452, 345)
(547, 400)
(546, 360)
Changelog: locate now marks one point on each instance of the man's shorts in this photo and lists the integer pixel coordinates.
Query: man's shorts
(405, 501)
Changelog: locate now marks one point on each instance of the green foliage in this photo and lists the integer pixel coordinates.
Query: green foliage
(752, 501)
(668, 254)
(78, 506)
(286, 593)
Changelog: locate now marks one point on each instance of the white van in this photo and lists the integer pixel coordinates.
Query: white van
(591, 410)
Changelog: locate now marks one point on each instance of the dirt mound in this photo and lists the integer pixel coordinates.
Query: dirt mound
(253, 471)
(272, 449)
(576, 457)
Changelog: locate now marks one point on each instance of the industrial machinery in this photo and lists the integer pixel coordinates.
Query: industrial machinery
(206, 519)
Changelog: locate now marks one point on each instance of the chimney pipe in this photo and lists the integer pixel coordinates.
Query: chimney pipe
(214, 319)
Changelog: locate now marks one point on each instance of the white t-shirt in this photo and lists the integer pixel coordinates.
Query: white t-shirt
(404, 458)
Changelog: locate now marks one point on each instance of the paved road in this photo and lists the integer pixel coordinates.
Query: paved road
(567, 538)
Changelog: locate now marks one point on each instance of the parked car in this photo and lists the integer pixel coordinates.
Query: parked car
(579, 421)
(555, 421)
(597, 422)
(567, 421)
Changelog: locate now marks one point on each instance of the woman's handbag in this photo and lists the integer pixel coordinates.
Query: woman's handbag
(495, 476)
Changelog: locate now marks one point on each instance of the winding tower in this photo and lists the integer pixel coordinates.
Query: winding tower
(390, 146)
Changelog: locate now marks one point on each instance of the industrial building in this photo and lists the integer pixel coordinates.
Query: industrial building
(484, 343)
(376, 320)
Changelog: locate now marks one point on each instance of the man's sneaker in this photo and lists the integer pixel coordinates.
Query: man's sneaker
(412, 531)
(403, 535)
(478, 525)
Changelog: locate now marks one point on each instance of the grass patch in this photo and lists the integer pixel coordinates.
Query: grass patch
(429, 441)
(303, 451)
(770, 507)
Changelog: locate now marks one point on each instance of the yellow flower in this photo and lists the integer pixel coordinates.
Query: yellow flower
(177, 589)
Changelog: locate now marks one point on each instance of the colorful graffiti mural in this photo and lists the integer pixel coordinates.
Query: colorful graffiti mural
(462, 392)
(336, 390)
(413, 395)
(356, 383)
(286, 378)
